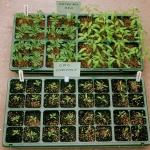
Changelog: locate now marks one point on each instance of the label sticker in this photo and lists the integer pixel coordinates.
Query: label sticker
(68, 7)
(26, 9)
(138, 76)
(67, 69)
(66, 79)
(21, 75)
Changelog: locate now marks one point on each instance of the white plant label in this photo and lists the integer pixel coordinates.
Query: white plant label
(66, 79)
(68, 7)
(138, 76)
(26, 9)
(21, 75)
(67, 69)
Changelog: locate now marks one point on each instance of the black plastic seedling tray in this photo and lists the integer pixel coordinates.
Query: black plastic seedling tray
(86, 111)
(42, 61)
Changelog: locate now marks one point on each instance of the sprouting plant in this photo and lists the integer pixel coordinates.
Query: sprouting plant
(134, 85)
(100, 85)
(138, 130)
(54, 45)
(32, 120)
(68, 99)
(36, 59)
(120, 85)
(84, 54)
(53, 98)
(54, 20)
(126, 133)
(116, 20)
(67, 51)
(102, 118)
(68, 88)
(18, 59)
(19, 86)
(119, 45)
(53, 87)
(105, 132)
(15, 118)
(85, 26)
(22, 30)
(69, 118)
(139, 115)
(103, 99)
(87, 85)
(16, 98)
(37, 83)
(88, 117)
(87, 99)
(65, 131)
(134, 52)
(66, 54)
(35, 97)
(26, 58)
(52, 133)
(53, 115)
(83, 36)
(88, 131)
(53, 31)
(135, 21)
(32, 135)
(137, 97)
(122, 114)
(15, 132)
(121, 33)
(68, 32)
(36, 44)
(98, 60)
(34, 31)
(123, 97)
(21, 46)
(100, 19)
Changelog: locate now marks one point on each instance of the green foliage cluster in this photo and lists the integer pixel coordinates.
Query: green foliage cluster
(110, 41)
(31, 26)
(117, 54)
(61, 27)
(108, 27)
(104, 40)
(61, 51)
(28, 53)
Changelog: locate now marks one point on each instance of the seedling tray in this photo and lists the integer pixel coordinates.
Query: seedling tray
(101, 42)
(86, 111)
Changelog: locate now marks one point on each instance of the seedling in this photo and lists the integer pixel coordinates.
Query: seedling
(121, 117)
(85, 86)
(51, 134)
(68, 118)
(102, 117)
(68, 100)
(32, 118)
(103, 133)
(102, 100)
(51, 100)
(86, 100)
(31, 134)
